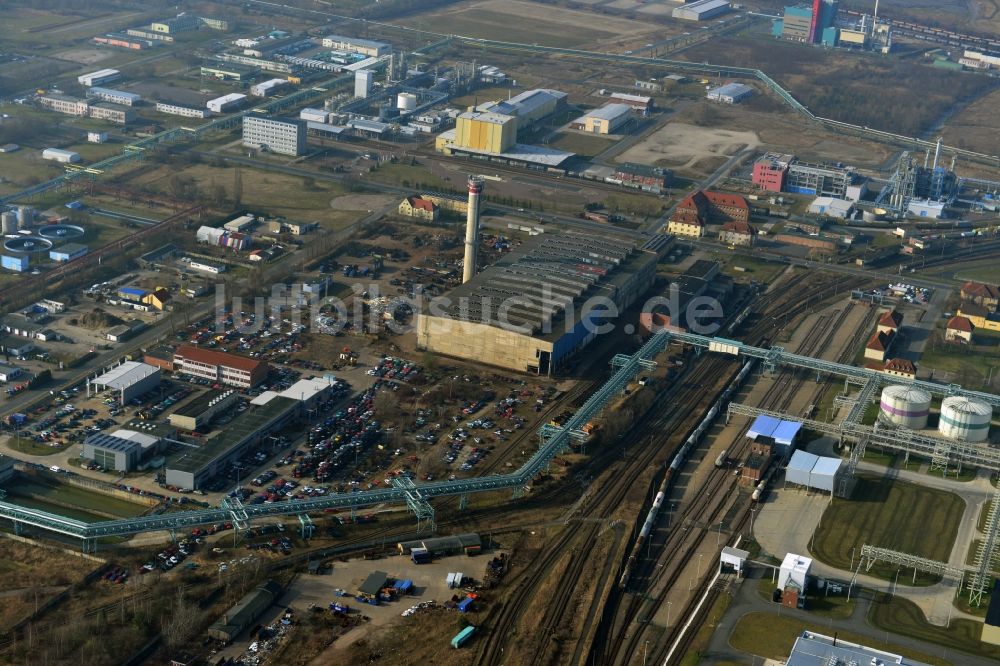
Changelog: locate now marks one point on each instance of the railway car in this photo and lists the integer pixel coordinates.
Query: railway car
(721, 460)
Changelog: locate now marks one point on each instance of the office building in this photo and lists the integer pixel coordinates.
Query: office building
(285, 136)
(115, 114)
(186, 111)
(71, 106)
(115, 96)
(221, 367)
(121, 451)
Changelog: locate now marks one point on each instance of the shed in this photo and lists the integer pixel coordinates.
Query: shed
(800, 467)
(245, 612)
(373, 584)
(733, 557)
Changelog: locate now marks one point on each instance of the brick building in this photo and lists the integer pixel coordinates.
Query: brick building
(228, 369)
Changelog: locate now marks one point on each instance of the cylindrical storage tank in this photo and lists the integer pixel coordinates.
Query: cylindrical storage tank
(965, 419)
(8, 221)
(906, 406)
(406, 101)
(25, 216)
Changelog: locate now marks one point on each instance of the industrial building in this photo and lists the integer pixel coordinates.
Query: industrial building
(229, 72)
(284, 136)
(130, 379)
(309, 393)
(529, 106)
(366, 47)
(782, 434)
(241, 617)
(775, 172)
(125, 331)
(122, 450)
(532, 310)
(222, 367)
(487, 132)
(180, 110)
(60, 155)
(202, 410)
(226, 103)
(99, 77)
(125, 41)
(267, 88)
(459, 544)
(642, 176)
(115, 96)
(364, 81)
(812, 471)
(832, 207)
(179, 23)
(793, 580)
(9, 373)
(701, 10)
(641, 103)
(196, 466)
(605, 120)
(68, 252)
(115, 114)
(810, 23)
(731, 93)
(812, 649)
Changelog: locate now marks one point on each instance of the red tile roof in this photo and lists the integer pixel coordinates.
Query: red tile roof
(879, 341)
(726, 199)
(218, 358)
(696, 201)
(890, 318)
(901, 365)
(980, 290)
(684, 217)
(959, 323)
(973, 310)
(422, 204)
(738, 227)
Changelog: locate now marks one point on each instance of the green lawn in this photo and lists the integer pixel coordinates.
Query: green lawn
(407, 175)
(772, 635)
(754, 269)
(889, 514)
(64, 496)
(585, 145)
(901, 616)
(34, 448)
(968, 365)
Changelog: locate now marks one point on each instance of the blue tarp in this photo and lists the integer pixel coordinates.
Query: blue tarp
(786, 431)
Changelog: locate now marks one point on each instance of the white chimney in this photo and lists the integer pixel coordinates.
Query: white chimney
(472, 228)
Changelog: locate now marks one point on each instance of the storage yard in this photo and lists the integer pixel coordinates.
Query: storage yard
(492, 352)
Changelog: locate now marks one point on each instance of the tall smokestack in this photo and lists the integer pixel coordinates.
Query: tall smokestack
(937, 153)
(472, 228)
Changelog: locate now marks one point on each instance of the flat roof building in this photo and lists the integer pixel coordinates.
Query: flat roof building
(71, 106)
(535, 307)
(222, 367)
(121, 451)
(116, 114)
(60, 155)
(226, 103)
(701, 10)
(202, 410)
(284, 136)
(812, 649)
(130, 379)
(99, 77)
(529, 106)
(605, 120)
(180, 110)
(366, 47)
(115, 96)
(731, 93)
(68, 252)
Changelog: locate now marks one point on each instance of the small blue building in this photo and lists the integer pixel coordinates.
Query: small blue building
(68, 252)
(17, 262)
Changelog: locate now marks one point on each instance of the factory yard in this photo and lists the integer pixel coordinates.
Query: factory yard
(688, 148)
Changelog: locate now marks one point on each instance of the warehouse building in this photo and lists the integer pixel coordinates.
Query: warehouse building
(68, 252)
(539, 305)
(459, 544)
(180, 110)
(226, 103)
(121, 41)
(366, 47)
(195, 467)
(812, 649)
(640, 103)
(284, 136)
(99, 77)
(731, 93)
(60, 155)
(125, 331)
(122, 450)
(9, 373)
(130, 379)
(605, 120)
(310, 393)
(229, 72)
(202, 410)
(529, 107)
(115, 96)
(222, 367)
(840, 209)
(812, 471)
(267, 88)
(701, 10)
(241, 617)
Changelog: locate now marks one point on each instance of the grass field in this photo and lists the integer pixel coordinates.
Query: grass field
(60, 498)
(771, 635)
(970, 365)
(901, 616)
(889, 514)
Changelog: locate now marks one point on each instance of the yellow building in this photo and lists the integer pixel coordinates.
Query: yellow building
(979, 316)
(686, 224)
(419, 207)
(488, 132)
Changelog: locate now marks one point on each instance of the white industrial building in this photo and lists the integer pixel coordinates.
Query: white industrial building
(122, 450)
(794, 572)
(605, 120)
(266, 88)
(115, 96)
(812, 649)
(701, 10)
(364, 80)
(97, 137)
(832, 207)
(60, 155)
(812, 471)
(282, 136)
(731, 93)
(178, 110)
(925, 208)
(315, 115)
(130, 379)
(366, 47)
(226, 103)
(99, 77)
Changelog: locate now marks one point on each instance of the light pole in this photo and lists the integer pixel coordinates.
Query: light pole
(718, 537)
(644, 646)
(669, 604)
(700, 555)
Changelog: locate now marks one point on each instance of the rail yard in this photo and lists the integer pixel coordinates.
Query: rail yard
(499, 333)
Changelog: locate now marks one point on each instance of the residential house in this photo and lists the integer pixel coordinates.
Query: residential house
(958, 329)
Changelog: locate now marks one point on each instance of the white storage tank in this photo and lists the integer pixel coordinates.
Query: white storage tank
(906, 406)
(406, 102)
(965, 419)
(9, 222)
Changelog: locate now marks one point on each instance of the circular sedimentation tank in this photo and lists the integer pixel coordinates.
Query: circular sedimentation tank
(27, 244)
(60, 231)
(906, 406)
(965, 419)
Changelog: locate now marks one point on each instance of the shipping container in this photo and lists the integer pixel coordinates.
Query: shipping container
(451, 580)
(463, 637)
(465, 604)
(404, 587)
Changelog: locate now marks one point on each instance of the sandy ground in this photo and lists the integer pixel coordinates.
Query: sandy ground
(362, 201)
(683, 146)
(84, 55)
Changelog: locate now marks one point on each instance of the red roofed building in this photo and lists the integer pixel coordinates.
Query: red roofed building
(878, 345)
(715, 207)
(890, 322)
(959, 329)
(900, 367)
(738, 233)
(229, 369)
(985, 295)
(415, 206)
(685, 223)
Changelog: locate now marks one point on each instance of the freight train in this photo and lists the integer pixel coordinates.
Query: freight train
(675, 465)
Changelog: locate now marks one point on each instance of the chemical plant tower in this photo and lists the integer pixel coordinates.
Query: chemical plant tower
(472, 229)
